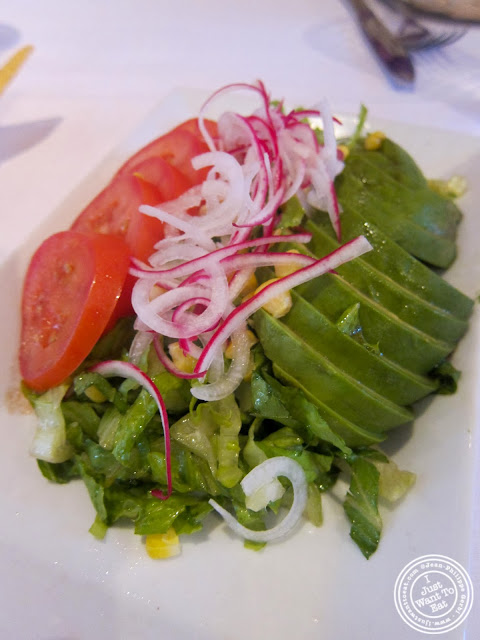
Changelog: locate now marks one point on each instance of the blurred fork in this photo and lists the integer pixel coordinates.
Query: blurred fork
(424, 39)
(414, 33)
(393, 49)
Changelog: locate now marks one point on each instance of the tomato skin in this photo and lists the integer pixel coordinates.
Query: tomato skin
(71, 288)
(177, 148)
(192, 127)
(111, 211)
(77, 284)
(115, 209)
(145, 231)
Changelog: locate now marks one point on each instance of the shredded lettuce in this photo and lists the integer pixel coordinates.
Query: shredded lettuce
(393, 482)
(361, 504)
(50, 439)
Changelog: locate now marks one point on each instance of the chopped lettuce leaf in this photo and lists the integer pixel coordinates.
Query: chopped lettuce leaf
(95, 490)
(61, 472)
(361, 504)
(50, 439)
(393, 482)
(108, 426)
(211, 432)
(291, 214)
(362, 117)
(112, 346)
(98, 528)
(158, 516)
(454, 187)
(227, 442)
(252, 453)
(84, 381)
(81, 415)
(447, 377)
(290, 407)
(314, 511)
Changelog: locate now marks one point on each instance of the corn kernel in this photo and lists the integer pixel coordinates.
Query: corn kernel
(163, 545)
(278, 306)
(94, 394)
(252, 339)
(155, 291)
(183, 361)
(454, 187)
(282, 270)
(344, 150)
(374, 140)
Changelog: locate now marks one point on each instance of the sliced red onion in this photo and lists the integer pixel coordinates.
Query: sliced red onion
(322, 195)
(238, 282)
(258, 477)
(122, 369)
(238, 316)
(235, 374)
(257, 260)
(190, 348)
(329, 151)
(233, 198)
(183, 308)
(197, 264)
(140, 342)
(168, 364)
(267, 212)
(190, 229)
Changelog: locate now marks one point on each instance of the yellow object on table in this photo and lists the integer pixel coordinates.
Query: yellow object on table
(13, 66)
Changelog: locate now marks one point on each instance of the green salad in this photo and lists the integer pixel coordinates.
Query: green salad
(278, 335)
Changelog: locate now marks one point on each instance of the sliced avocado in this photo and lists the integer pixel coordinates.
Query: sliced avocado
(421, 243)
(396, 162)
(352, 434)
(361, 362)
(398, 341)
(335, 388)
(425, 207)
(389, 293)
(387, 256)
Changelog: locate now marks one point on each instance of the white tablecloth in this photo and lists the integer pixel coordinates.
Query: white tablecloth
(99, 67)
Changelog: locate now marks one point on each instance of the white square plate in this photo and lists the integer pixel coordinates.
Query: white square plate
(59, 583)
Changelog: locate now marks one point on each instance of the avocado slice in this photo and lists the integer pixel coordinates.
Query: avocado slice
(396, 162)
(335, 388)
(375, 371)
(389, 293)
(424, 207)
(387, 256)
(398, 341)
(352, 434)
(420, 242)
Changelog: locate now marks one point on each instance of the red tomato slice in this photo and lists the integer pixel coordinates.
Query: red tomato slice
(115, 209)
(192, 127)
(145, 231)
(178, 148)
(169, 181)
(111, 211)
(71, 288)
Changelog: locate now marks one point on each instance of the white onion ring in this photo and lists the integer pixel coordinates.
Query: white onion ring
(260, 476)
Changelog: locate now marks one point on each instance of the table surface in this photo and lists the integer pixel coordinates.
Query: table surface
(98, 68)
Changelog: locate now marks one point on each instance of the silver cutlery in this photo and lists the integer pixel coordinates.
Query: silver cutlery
(393, 49)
